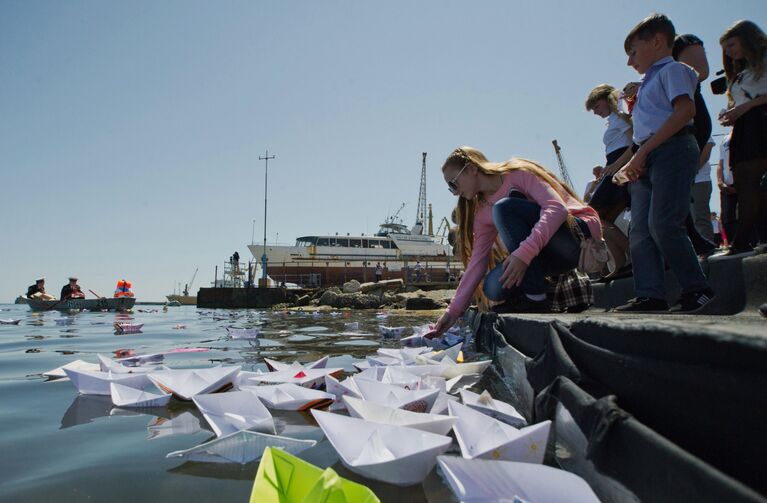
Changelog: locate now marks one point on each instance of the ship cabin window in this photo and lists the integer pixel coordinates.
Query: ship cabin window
(323, 241)
(342, 242)
(355, 243)
(307, 241)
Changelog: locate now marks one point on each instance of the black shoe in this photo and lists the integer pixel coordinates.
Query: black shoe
(523, 304)
(693, 302)
(643, 305)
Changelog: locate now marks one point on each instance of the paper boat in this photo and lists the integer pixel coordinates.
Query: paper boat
(412, 341)
(463, 381)
(185, 423)
(481, 436)
(340, 389)
(97, 383)
(243, 333)
(64, 321)
(59, 374)
(393, 454)
(449, 371)
(497, 409)
(156, 357)
(241, 447)
(352, 325)
(398, 376)
(186, 383)
(481, 481)
(125, 396)
(274, 365)
(404, 354)
(283, 478)
(108, 365)
(308, 378)
(382, 361)
(362, 365)
(394, 396)
(440, 404)
(390, 332)
(128, 328)
(291, 396)
(234, 411)
(9, 321)
(377, 413)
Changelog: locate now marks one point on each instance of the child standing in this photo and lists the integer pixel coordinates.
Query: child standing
(661, 171)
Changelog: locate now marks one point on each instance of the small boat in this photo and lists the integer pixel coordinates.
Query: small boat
(97, 383)
(481, 436)
(128, 328)
(282, 477)
(241, 447)
(243, 333)
(102, 304)
(183, 300)
(234, 411)
(497, 409)
(481, 480)
(421, 400)
(9, 321)
(291, 396)
(393, 454)
(125, 396)
(186, 383)
(377, 413)
(173, 303)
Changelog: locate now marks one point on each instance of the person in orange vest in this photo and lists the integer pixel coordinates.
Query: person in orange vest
(123, 289)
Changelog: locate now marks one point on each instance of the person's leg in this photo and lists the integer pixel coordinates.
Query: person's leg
(729, 203)
(646, 257)
(701, 212)
(671, 168)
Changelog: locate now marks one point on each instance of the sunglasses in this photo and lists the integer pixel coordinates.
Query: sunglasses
(451, 185)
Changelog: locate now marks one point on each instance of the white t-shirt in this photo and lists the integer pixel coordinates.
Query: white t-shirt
(746, 88)
(724, 155)
(616, 135)
(704, 173)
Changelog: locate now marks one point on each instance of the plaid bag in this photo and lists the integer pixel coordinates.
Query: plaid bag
(570, 292)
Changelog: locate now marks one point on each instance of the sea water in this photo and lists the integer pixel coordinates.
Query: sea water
(58, 446)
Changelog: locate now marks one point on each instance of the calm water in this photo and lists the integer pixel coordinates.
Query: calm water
(56, 445)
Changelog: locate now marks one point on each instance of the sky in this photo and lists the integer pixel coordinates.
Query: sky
(130, 132)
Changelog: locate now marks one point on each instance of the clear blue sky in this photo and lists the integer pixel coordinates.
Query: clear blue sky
(130, 131)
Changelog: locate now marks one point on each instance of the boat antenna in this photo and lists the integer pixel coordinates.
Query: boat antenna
(420, 217)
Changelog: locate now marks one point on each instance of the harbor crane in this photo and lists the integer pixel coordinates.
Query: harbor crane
(562, 167)
(188, 286)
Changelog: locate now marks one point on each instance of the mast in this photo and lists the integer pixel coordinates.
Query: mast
(562, 167)
(420, 217)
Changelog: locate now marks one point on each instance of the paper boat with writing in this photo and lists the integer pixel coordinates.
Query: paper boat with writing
(185, 423)
(274, 365)
(128, 328)
(482, 481)
(243, 333)
(308, 378)
(291, 396)
(59, 374)
(186, 383)
(284, 478)
(377, 413)
(393, 454)
(125, 396)
(97, 383)
(241, 447)
(390, 332)
(449, 371)
(9, 321)
(481, 436)
(395, 396)
(234, 411)
(497, 409)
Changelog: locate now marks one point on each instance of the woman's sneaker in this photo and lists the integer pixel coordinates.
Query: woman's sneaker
(692, 302)
(643, 305)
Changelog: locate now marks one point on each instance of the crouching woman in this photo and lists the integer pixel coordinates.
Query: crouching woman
(534, 215)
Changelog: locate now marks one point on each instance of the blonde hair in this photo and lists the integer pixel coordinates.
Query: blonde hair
(610, 95)
(466, 209)
(754, 43)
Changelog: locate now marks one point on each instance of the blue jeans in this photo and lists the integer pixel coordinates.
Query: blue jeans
(515, 218)
(660, 202)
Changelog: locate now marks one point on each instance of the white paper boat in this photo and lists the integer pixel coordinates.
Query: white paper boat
(308, 378)
(456, 384)
(396, 375)
(392, 454)
(59, 374)
(156, 357)
(482, 481)
(405, 354)
(377, 413)
(497, 409)
(440, 404)
(362, 365)
(243, 333)
(125, 396)
(340, 389)
(481, 436)
(106, 364)
(274, 365)
(382, 361)
(97, 383)
(394, 396)
(412, 341)
(64, 321)
(449, 371)
(353, 325)
(234, 411)
(291, 397)
(185, 423)
(390, 332)
(9, 321)
(241, 447)
(186, 383)
(128, 328)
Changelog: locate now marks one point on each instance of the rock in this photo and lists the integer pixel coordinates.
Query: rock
(303, 300)
(329, 297)
(352, 286)
(350, 300)
(423, 304)
(389, 284)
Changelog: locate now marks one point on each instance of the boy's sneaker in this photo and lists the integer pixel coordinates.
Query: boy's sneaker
(692, 302)
(643, 305)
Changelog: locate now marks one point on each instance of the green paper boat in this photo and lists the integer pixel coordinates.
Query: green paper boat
(284, 478)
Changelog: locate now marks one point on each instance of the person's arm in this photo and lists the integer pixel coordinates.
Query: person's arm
(720, 176)
(729, 117)
(705, 155)
(613, 168)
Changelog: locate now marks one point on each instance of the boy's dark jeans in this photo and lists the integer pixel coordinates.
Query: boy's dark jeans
(660, 202)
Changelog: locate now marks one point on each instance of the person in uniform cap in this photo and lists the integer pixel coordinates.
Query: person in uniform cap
(37, 291)
(69, 289)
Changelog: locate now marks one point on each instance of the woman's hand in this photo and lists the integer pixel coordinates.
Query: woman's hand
(443, 323)
(514, 270)
(631, 171)
(610, 170)
(728, 117)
